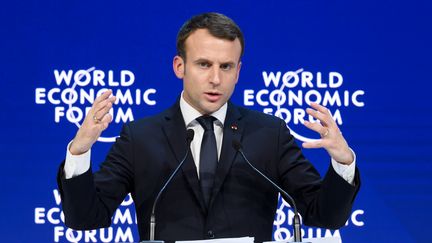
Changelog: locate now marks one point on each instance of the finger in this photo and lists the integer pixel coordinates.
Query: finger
(103, 107)
(102, 123)
(106, 117)
(319, 108)
(323, 118)
(316, 127)
(314, 144)
(103, 96)
(104, 110)
(101, 103)
(100, 99)
(106, 121)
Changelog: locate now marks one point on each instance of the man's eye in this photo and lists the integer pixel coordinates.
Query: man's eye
(226, 67)
(204, 64)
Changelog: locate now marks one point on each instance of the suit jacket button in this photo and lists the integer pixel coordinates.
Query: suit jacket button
(210, 234)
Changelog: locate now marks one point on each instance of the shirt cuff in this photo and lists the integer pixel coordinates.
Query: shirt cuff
(76, 165)
(345, 171)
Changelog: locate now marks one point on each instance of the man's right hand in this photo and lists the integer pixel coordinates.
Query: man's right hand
(94, 123)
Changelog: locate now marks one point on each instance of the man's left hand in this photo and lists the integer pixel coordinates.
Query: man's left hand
(331, 137)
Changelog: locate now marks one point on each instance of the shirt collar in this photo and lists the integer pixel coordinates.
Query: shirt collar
(190, 114)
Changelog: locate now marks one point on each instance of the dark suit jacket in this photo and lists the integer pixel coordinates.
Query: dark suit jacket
(243, 204)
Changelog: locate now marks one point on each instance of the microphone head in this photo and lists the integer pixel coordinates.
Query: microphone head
(190, 135)
(237, 145)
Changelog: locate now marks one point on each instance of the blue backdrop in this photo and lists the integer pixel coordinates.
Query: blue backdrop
(379, 53)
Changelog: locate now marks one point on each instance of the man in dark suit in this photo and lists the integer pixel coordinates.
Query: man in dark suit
(216, 194)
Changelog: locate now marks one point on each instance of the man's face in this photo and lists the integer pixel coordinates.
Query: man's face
(210, 72)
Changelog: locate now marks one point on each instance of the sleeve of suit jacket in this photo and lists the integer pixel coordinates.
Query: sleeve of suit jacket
(87, 206)
(322, 202)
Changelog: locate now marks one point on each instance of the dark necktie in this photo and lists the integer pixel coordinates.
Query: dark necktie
(208, 157)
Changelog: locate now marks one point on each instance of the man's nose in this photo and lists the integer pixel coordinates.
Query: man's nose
(215, 78)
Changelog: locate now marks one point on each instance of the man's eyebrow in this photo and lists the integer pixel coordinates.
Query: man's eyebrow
(204, 60)
(228, 63)
(200, 60)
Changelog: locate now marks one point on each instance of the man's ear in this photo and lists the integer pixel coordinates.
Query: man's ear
(178, 66)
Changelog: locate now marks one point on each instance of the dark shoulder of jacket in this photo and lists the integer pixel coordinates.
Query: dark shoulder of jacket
(260, 118)
(148, 121)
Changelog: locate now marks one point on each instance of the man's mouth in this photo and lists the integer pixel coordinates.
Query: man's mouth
(213, 96)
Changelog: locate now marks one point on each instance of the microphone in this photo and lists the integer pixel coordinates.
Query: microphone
(297, 225)
(189, 137)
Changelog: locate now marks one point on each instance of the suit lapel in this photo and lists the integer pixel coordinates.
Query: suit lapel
(233, 130)
(175, 132)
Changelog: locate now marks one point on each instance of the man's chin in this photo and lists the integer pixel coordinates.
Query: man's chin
(212, 107)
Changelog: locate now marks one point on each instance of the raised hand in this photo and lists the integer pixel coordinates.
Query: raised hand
(94, 123)
(331, 137)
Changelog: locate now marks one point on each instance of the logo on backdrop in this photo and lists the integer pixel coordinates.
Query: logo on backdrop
(76, 90)
(282, 224)
(122, 229)
(288, 94)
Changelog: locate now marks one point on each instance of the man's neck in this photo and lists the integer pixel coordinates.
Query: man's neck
(190, 113)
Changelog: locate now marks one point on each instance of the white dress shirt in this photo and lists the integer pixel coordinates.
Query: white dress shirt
(190, 115)
(78, 164)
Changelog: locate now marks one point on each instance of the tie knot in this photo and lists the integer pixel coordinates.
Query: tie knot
(206, 122)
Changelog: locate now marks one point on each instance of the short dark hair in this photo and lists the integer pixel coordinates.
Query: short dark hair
(219, 26)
